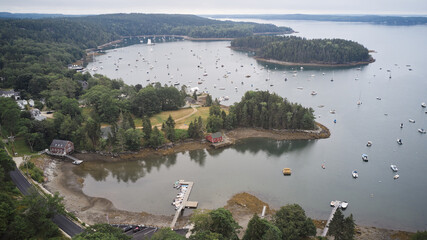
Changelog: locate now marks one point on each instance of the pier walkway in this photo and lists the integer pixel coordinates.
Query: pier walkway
(185, 203)
(336, 206)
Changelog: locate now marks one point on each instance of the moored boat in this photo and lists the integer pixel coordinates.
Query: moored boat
(423, 104)
(399, 141)
(411, 120)
(344, 205)
(396, 176)
(421, 130)
(369, 144)
(286, 171)
(394, 168)
(365, 157)
(355, 174)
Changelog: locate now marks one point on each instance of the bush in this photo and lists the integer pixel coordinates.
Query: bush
(35, 173)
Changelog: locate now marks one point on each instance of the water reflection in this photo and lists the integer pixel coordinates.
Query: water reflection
(198, 156)
(271, 147)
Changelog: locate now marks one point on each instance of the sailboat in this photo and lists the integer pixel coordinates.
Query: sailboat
(149, 42)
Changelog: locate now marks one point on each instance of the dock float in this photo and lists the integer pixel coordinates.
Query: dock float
(185, 203)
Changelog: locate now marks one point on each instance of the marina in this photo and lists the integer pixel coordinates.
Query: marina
(181, 202)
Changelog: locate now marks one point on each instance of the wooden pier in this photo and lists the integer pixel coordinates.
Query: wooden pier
(185, 203)
(336, 206)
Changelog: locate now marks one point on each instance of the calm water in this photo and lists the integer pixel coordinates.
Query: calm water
(255, 165)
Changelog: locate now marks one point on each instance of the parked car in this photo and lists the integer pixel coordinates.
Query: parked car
(127, 228)
(136, 229)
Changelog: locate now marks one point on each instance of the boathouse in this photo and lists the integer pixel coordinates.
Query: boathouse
(61, 147)
(214, 137)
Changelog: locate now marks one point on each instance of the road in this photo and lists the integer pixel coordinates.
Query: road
(63, 222)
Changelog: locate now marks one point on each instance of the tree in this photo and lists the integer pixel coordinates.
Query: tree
(218, 221)
(133, 139)
(146, 128)
(419, 235)
(170, 129)
(341, 228)
(9, 115)
(214, 123)
(293, 223)
(167, 234)
(101, 231)
(208, 100)
(93, 130)
(156, 138)
(261, 229)
(32, 138)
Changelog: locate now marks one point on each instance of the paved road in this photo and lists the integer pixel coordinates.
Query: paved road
(63, 223)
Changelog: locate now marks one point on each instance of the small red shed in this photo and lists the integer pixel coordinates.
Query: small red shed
(214, 137)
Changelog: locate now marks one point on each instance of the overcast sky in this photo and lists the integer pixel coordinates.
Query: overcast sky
(416, 7)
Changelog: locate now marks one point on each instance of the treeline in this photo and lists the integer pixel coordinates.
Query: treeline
(270, 111)
(301, 50)
(33, 52)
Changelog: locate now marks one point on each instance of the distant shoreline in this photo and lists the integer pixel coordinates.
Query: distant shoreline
(314, 64)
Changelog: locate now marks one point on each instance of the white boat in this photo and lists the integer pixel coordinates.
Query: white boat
(396, 176)
(344, 205)
(77, 162)
(401, 125)
(369, 144)
(378, 98)
(423, 104)
(411, 120)
(176, 83)
(393, 167)
(365, 157)
(332, 111)
(314, 93)
(332, 203)
(399, 141)
(355, 174)
(421, 130)
(149, 42)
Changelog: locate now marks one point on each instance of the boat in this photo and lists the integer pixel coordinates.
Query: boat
(399, 141)
(369, 144)
(344, 205)
(149, 42)
(378, 98)
(177, 83)
(323, 166)
(77, 162)
(365, 157)
(411, 120)
(401, 125)
(359, 102)
(423, 104)
(355, 174)
(332, 111)
(421, 130)
(396, 176)
(393, 167)
(332, 203)
(313, 93)
(286, 171)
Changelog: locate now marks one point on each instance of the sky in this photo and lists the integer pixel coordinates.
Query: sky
(390, 7)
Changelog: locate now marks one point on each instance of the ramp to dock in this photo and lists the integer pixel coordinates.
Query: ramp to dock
(336, 206)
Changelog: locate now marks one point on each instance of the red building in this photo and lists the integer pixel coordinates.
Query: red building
(214, 137)
(61, 147)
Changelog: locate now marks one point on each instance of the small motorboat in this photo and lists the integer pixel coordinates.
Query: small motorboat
(423, 104)
(399, 141)
(396, 176)
(344, 205)
(411, 120)
(365, 157)
(369, 144)
(332, 203)
(286, 171)
(394, 168)
(378, 98)
(332, 111)
(323, 166)
(313, 93)
(355, 174)
(421, 130)
(401, 125)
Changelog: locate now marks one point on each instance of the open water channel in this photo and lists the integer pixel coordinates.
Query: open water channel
(398, 77)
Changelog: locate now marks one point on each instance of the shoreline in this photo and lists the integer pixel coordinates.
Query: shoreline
(314, 64)
(93, 210)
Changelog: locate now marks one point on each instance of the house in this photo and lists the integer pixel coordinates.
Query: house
(214, 137)
(36, 114)
(190, 100)
(61, 147)
(10, 93)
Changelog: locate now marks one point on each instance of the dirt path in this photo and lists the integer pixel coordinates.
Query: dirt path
(179, 119)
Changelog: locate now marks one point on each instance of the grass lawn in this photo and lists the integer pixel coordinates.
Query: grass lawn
(21, 147)
(163, 116)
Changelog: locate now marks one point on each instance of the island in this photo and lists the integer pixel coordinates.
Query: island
(297, 51)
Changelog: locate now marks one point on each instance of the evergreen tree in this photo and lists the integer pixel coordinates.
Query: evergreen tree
(261, 229)
(156, 138)
(293, 223)
(208, 100)
(146, 128)
(341, 228)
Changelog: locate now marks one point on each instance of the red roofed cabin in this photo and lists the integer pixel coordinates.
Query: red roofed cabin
(214, 137)
(61, 147)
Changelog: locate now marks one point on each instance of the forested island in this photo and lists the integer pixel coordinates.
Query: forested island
(291, 50)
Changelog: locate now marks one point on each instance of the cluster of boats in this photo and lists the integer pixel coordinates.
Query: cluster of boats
(177, 201)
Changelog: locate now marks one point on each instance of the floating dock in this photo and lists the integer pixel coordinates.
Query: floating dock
(185, 203)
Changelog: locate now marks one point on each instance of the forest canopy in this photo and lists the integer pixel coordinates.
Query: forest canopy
(301, 50)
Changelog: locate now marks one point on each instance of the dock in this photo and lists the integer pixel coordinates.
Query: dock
(336, 206)
(185, 203)
(75, 160)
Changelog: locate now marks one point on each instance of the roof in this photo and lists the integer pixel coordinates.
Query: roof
(216, 135)
(59, 143)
